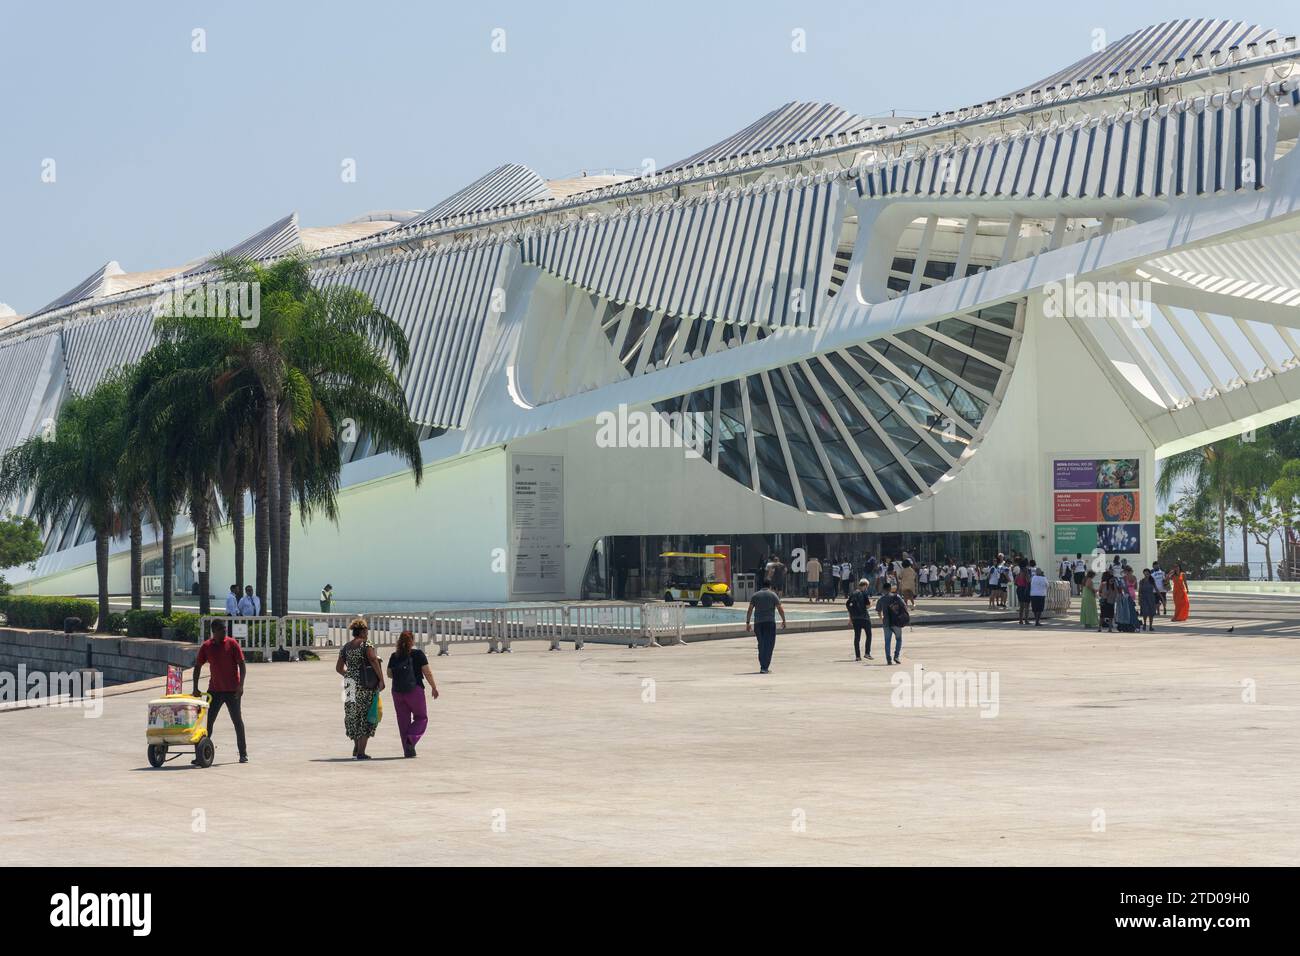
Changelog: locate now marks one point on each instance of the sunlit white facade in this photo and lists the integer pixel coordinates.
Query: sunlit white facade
(902, 329)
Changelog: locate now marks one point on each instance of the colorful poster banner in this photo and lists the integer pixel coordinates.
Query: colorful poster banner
(1076, 538)
(1095, 506)
(1119, 538)
(1110, 538)
(1095, 473)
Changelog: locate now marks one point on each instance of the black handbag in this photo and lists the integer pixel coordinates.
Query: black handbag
(369, 679)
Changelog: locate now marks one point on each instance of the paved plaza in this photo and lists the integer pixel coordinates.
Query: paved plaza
(1105, 749)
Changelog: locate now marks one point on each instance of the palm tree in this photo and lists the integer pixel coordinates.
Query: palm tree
(1285, 490)
(251, 355)
(77, 469)
(133, 488)
(1253, 466)
(1205, 475)
(312, 359)
(339, 368)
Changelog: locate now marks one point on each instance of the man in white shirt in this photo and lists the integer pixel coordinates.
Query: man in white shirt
(232, 601)
(1158, 575)
(962, 577)
(249, 605)
(1037, 594)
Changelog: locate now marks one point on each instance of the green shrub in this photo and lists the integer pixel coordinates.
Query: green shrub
(116, 622)
(46, 612)
(146, 622)
(186, 625)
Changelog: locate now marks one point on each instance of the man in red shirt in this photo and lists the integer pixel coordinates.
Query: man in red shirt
(226, 685)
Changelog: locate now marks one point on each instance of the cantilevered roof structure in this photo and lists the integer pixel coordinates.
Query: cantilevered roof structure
(846, 304)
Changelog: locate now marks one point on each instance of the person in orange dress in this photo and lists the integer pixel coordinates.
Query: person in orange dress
(1182, 607)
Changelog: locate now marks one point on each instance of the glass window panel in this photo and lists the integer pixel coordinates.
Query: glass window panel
(803, 455)
(733, 450)
(773, 477)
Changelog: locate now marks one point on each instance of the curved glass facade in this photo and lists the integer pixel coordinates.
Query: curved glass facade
(862, 430)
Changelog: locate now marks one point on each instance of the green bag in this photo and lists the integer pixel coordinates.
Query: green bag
(376, 709)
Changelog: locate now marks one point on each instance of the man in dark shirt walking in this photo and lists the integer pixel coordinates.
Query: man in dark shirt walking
(859, 605)
(893, 615)
(764, 606)
(226, 685)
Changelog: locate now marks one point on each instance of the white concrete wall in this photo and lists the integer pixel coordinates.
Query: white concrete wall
(399, 542)
(437, 542)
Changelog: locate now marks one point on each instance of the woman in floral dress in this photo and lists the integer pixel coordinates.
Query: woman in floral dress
(357, 697)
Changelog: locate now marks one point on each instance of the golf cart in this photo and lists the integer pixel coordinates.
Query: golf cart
(690, 578)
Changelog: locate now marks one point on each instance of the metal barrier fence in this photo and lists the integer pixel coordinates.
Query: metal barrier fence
(648, 624)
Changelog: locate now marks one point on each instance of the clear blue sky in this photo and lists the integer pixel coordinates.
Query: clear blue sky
(163, 154)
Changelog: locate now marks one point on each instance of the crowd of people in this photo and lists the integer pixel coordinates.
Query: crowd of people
(890, 607)
(365, 678)
(1119, 600)
(834, 578)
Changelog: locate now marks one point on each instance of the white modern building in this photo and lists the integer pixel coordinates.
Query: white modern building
(971, 332)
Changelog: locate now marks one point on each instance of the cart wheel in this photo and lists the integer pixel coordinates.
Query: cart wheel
(706, 601)
(157, 754)
(728, 600)
(204, 752)
(668, 595)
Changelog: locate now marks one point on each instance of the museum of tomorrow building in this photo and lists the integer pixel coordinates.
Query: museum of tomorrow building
(965, 333)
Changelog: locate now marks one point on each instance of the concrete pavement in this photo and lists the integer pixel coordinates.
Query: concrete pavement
(1105, 749)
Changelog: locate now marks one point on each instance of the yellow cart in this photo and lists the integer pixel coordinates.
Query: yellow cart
(690, 576)
(179, 720)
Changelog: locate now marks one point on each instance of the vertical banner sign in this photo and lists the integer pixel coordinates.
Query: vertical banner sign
(537, 523)
(1096, 504)
(723, 573)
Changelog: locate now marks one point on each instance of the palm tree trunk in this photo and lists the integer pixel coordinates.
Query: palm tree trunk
(237, 530)
(261, 540)
(137, 558)
(202, 515)
(286, 516)
(272, 451)
(1268, 556)
(101, 572)
(167, 575)
(1223, 540)
(1286, 545)
(1245, 551)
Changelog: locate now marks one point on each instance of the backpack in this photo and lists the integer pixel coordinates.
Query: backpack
(403, 673)
(898, 615)
(859, 606)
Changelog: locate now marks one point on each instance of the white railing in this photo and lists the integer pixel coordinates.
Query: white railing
(606, 622)
(650, 624)
(260, 633)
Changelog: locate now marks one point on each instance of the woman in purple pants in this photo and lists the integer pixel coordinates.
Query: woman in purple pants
(407, 669)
